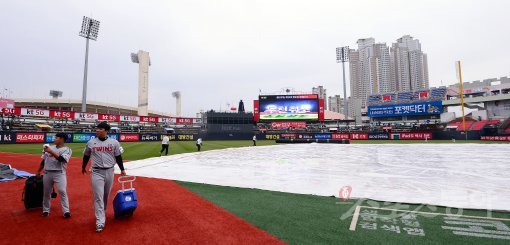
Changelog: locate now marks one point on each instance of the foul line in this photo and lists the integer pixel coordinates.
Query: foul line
(358, 208)
(354, 221)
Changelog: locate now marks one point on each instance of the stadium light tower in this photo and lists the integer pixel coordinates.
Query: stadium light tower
(342, 55)
(177, 96)
(143, 60)
(89, 30)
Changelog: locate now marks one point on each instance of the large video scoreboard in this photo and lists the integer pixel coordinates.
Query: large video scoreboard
(301, 107)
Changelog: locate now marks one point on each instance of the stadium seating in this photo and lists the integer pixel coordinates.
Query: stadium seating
(404, 97)
(392, 98)
(479, 125)
(438, 93)
(375, 99)
(28, 124)
(459, 127)
(434, 94)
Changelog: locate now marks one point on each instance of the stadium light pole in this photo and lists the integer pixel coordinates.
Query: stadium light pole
(89, 30)
(342, 55)
(461, 90)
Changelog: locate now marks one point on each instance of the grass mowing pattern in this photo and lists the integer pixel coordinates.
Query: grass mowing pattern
(307, 219)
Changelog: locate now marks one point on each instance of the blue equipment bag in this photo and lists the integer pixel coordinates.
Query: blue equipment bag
(125, 202)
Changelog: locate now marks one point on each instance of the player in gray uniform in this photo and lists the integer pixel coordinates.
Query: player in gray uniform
(105, 152)
(54, 163)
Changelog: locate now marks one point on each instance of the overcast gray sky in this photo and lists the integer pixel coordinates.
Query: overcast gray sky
(217, 52)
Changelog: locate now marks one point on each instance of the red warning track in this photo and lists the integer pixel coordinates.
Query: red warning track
(167, 214)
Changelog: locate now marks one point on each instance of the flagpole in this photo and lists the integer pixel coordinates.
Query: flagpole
(461, 92)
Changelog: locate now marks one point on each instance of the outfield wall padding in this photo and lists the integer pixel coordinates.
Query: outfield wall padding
(308, 141)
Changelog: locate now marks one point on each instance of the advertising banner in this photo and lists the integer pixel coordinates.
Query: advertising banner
(184, 120)
(272, 136)
(172, 137)
(130, 118)
(256, 115)
(496, 138)
(7, 111)
(150, 137)
(305, 136)
(411, 136)
(113, 136)
(31, 112)
(108, 117)
(149, 119)
(340, 136)
(321, 109)
(129, 137)
(35, 112)
(185, 137)
(50, 137)
(414, 109)
(282, 125)
(86, 116)
(165, 120)
(322, 136)
(62, 114)
(358, 136)
(288, 136)
(29, 137)
(81, 138)
(7, 138)
(378, 136)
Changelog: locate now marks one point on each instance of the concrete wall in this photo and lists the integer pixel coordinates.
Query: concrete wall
(143, 83)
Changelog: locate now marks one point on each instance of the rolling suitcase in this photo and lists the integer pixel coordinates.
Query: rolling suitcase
(33, 192)
(125, 201)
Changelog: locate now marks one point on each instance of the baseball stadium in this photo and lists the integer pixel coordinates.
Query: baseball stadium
(395, 168)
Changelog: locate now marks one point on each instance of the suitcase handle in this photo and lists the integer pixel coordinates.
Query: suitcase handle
(126, 179)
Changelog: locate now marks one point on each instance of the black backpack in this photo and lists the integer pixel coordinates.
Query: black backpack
(33, 192)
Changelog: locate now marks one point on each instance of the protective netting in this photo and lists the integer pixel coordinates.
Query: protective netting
(454, 175)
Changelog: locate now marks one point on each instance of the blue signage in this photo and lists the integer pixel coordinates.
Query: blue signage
(113, 136)
(50, 137)
(82, 138)
(322, 136)
(414, 109)
(79, 138)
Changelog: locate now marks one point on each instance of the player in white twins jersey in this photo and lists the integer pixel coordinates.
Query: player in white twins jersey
(105, 152)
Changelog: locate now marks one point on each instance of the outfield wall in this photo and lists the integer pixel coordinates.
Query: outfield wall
(40, 137)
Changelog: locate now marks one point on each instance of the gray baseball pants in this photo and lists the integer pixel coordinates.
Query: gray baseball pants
(60, 179)
(102, 183)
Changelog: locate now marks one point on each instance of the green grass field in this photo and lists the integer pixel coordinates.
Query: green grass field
(308, 219)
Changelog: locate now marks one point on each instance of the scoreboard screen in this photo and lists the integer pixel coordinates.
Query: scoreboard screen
(289, 107)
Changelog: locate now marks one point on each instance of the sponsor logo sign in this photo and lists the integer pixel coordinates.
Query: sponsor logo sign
(7, 137)
(414, 109)
(340, 136)
(29, 137)
(359, 136)
(50, 137)
(129, 137)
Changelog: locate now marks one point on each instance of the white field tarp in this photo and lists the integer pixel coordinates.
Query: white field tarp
(455, 175)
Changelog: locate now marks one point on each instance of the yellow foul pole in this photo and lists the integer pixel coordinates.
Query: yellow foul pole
(461, 92)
